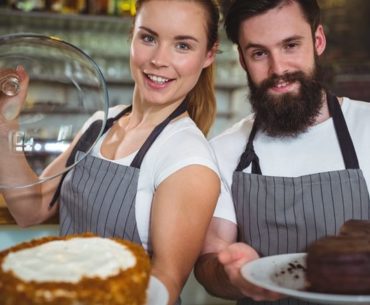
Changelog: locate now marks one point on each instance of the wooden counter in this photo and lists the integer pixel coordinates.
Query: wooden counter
(7, 219)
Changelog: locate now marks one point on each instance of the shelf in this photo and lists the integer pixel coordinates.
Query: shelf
(48, 108)
(125, 81)
(43, 20)
(231, 85)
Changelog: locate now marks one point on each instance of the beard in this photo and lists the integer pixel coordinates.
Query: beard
(289, 114)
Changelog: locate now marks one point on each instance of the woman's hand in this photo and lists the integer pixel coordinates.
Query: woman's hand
(233, 257)
(13, 92)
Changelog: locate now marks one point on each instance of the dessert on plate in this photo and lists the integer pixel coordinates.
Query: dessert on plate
(79, 269)
(341, 264)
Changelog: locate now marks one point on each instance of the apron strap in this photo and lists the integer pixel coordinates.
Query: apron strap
(156, 132)
(89, 137)
(344, 138)
(249, 155)
(84, 144)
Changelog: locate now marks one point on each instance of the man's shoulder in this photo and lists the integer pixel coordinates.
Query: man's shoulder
(234, 136)
(355, 107)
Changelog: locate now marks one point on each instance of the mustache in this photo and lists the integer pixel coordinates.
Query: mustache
(274, 79)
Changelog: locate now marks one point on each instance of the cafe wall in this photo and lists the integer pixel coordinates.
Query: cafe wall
(346, 60)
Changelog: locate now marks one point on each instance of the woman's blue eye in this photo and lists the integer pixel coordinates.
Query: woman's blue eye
(147, 38)
(183, 46)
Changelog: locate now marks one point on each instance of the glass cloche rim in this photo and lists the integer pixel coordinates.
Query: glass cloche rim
(12, 37)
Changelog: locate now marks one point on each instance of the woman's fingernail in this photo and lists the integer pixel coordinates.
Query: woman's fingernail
(21, 72)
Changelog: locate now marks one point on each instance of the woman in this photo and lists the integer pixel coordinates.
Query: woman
(161, 193)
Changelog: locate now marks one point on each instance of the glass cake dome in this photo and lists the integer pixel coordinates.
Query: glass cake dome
(38, 122)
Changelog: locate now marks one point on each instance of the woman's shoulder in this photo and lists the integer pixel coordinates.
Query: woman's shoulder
(183, 138)
(179, 145)
(183, 128)
(102, 115)
(115, 110)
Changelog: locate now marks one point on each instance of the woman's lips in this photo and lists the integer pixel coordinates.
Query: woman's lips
(157, 82)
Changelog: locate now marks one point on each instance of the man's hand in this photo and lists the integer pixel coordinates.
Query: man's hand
(233, 257)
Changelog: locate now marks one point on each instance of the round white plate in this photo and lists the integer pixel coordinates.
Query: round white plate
(285, 274)
(157, 292)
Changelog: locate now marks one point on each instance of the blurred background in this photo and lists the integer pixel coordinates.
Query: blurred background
(101, 29)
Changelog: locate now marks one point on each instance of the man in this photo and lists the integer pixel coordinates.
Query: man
(297, 168)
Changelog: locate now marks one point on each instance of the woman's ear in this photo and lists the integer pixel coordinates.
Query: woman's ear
(320, 40)
(211, 55)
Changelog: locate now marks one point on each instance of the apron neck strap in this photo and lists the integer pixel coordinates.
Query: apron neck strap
(345, 141)
(89, 136)
(110, 121)
(343, 135)
(156, 132)
(249, 155)
(153, 135)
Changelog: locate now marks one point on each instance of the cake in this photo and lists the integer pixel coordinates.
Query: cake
(341, 264)
(74, 270)
(355, 227)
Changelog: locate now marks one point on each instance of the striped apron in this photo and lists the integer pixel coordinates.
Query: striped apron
(99, 195)
(278, 215)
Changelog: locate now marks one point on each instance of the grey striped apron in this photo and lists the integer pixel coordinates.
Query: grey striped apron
(99, 195)
(277, 215)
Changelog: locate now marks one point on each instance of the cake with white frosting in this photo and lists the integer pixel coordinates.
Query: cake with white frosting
(74, 270)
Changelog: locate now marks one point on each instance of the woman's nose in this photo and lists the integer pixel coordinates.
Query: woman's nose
(161, 57)
(157, 62)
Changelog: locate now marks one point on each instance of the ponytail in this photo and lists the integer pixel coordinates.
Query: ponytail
(202, 100)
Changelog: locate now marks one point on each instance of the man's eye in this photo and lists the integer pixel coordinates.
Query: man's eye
(258, 54)
(291, 45)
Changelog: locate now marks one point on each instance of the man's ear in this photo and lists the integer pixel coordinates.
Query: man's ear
(320, 40)
(241, 59)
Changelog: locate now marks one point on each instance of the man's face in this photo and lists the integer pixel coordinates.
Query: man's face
(279, 53)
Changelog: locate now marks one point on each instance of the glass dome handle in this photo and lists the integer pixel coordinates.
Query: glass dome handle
(10, 85)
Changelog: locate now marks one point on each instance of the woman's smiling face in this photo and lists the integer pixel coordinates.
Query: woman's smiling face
(168, 49)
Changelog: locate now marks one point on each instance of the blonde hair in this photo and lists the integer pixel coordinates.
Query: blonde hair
(202, 100)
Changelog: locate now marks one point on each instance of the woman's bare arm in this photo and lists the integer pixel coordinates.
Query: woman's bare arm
(181, 211)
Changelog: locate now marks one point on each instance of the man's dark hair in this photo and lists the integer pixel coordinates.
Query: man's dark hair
(236, 11)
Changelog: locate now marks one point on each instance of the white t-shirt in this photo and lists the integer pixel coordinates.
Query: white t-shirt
(314, 151)
(180, 144)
